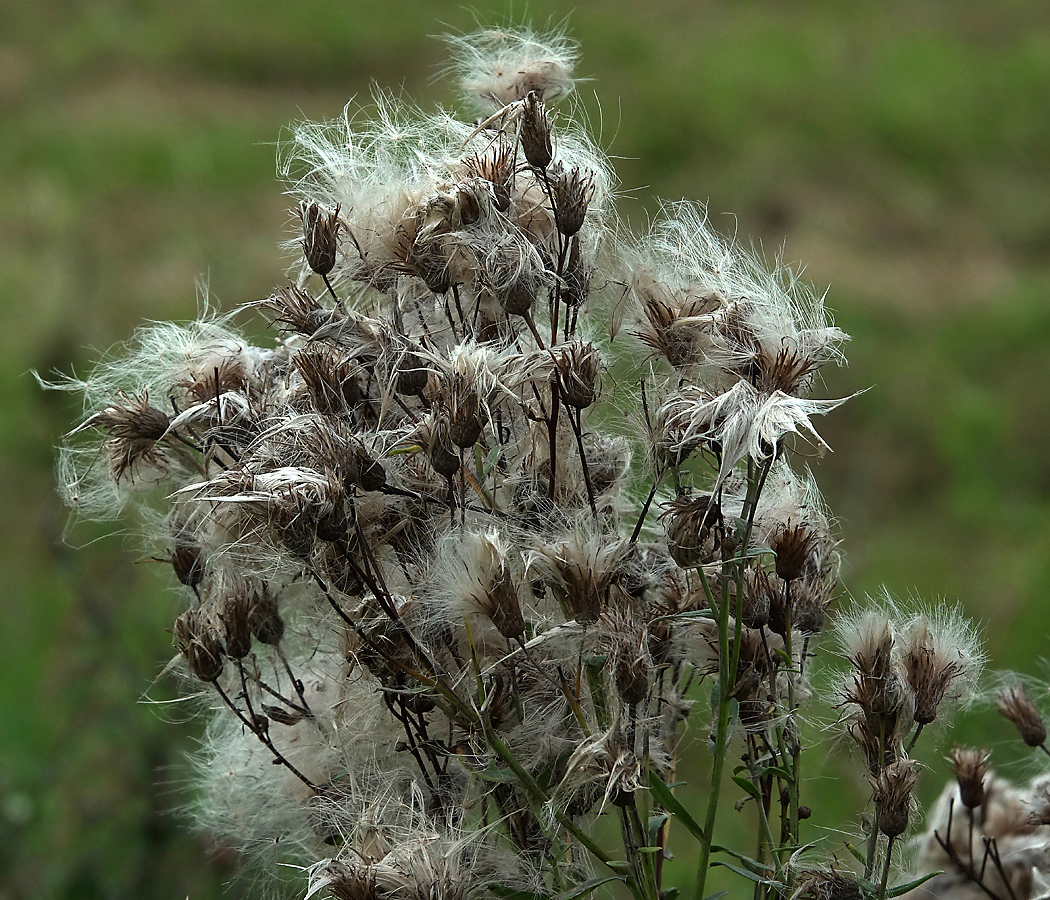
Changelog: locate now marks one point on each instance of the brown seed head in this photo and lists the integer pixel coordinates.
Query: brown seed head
(199, 645)
(536, 132)
(496, 166)
(930, 674)
(320, 236)
(236, 618)
(577, 365)
(265, 620)
(694, 530)
(576, 281)
(297, 311)
(792, 546)
(893, 796)
(631, 671)
(134, 427)
(828, 885)
(187, 562)
(573, 191)
(411, 374)
(971, 766)
(1014, 704)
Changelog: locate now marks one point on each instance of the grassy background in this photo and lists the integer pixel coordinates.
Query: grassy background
(901, 150)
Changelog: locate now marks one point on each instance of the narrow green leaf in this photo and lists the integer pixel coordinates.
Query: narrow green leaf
(673, 892)
(748, 787)
(656, 822)
(662, 794)
(856, 854)
(750, 876)
(497, 775)
(618, 865)
(717, 896)
(582, 890)
(782, 774)
(899, 889)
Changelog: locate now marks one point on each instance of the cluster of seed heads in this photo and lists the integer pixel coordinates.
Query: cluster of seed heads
(500, 483)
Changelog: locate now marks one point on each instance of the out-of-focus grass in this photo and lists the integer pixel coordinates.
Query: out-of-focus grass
(901, 150)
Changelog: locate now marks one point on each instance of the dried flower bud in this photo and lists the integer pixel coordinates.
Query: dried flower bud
(464, 421)
(756, 606)
(134, 427)
(199, 646)
(187, 563)
(577, 365)
(362, 469)
(824, 885)
(631, 673)
(440, 449)
(265, 619)
(576, 282)
(893, 796)
(320, 236)
(330, 380)
(792, 546)
(536, 132)
(297, 311)
(1014, 704)
(518, 298)
(971, 766)
(572, 190)
(411, 375)
(236, 620)
(694, 530)
(496, 166)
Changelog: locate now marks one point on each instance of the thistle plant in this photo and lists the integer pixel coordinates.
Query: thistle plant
(507, 515)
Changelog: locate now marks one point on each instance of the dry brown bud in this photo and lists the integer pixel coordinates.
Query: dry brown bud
(694, 530)
(572, 192)
(792, 547)
(631, 673)
(411, 375)
(265, 620)
(517, 300)
(320, 236)
(577, 366)
(187, 563)
(1014, 704)
(893, 793)
(536, 132)
(236, 620)
(199, 646)
(971, 765)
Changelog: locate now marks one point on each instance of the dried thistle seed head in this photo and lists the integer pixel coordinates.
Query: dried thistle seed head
(265, 619)
(187, 561)
(1037, 804)
(631, 671)
(297, 311)
(442, 453)
(930, 675)
(518, 297)
(694, 530)
(535, 136)
(236, 619)
(362, 468)
(583, 570)
(820, 884)
(1013, 704)
(576, 280)
(411, 374)
(320, 236)
(573, 190)
(353, 883)
(464, 415)
(330, 380)
(483, 579)
(893, 796)
(577, 365)
(204, 384)
(199, 645)
(756, 606)
(495, 165)
(971, 767)
(134, 428)
(792, 547)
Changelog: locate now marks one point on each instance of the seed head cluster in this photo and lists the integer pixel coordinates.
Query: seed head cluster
(496, 485)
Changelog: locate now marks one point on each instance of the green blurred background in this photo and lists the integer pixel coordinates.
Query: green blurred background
(900, 149)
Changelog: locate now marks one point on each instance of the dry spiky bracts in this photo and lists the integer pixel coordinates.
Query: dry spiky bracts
(134, 428)
(942, 658)
(1014, 705)
(199, 646)
(820, 884)
(971, 767)
(320, 236)
(695, 530)
(893, 796)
